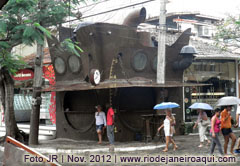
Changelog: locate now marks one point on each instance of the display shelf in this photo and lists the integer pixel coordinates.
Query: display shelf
(209, 94)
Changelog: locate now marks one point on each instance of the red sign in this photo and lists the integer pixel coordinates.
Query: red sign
(183, 20)
(23, 75)
(48, 73)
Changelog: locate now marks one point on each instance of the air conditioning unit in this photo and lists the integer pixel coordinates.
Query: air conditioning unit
(204, 31)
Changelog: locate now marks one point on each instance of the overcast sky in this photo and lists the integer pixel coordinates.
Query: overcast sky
(213, 7)
(217, 8)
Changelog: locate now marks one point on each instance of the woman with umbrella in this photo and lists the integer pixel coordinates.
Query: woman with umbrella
(202, 121)
(168, 123)
(226, 119)
(226, 127)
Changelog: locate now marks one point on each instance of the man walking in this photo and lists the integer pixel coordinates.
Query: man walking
(110, 124)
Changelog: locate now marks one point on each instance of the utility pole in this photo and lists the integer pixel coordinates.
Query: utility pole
(36, 97)
(161, 43)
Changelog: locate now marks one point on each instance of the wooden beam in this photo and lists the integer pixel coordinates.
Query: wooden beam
(30, 150)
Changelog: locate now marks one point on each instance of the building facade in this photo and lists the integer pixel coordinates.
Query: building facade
(215, 68)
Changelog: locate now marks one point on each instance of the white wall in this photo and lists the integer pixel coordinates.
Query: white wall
(24, 50)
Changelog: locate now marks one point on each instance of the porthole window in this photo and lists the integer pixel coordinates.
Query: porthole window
(139, 61)
(74, 63)
(154, 64)
(59, 65)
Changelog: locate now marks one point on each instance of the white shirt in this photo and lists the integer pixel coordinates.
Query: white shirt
(100, 118)
(167, 125)
(238, 112)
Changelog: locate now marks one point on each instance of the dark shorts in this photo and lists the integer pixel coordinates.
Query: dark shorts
(226, 131)
(99, 127)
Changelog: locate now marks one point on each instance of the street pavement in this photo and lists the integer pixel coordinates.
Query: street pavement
(71, 152)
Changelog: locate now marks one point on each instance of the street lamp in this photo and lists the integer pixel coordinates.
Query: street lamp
(187, 54)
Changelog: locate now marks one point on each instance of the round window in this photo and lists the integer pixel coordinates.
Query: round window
(74, 63)
(154, 64)
(139, 61)
(59, 65)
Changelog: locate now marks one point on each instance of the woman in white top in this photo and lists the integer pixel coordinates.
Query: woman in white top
(168, 125)
(202, 123)
(100, 122)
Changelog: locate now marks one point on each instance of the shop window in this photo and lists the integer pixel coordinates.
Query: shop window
(219, 77)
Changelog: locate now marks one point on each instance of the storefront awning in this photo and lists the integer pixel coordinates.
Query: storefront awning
(66, 86)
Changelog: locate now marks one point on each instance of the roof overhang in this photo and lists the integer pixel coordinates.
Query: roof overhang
(175, 14)
(218, 56)
(67, 86)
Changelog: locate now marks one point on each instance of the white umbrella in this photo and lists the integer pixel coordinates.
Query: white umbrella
(202, 106)
(228, 100)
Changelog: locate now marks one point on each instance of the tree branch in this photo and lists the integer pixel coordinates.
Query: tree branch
(2, 92)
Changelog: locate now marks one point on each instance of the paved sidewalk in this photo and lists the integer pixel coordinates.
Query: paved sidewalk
(188, 146)
(70, 152)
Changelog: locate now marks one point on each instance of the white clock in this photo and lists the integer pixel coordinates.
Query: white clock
(95, 76)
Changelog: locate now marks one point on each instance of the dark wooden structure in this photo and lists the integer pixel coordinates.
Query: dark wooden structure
(127, 61)
(2, 3)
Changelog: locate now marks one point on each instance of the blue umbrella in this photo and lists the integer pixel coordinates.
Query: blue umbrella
(165, 105)
(202, 106)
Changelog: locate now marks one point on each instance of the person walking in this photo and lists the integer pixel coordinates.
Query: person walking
(238, 123)
(202, 123)
(100, 122)
(168, 125)
(226, 126)
(110, 124)
(215, 129)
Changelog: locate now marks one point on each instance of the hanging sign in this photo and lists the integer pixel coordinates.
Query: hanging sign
(23, 75)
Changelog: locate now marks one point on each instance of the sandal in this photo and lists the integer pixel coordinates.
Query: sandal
(165, 150)
(175, 148)
(200, 146)
(208, 142)
(233, 154)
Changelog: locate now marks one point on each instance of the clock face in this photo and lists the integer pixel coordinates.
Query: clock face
(96, 76)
